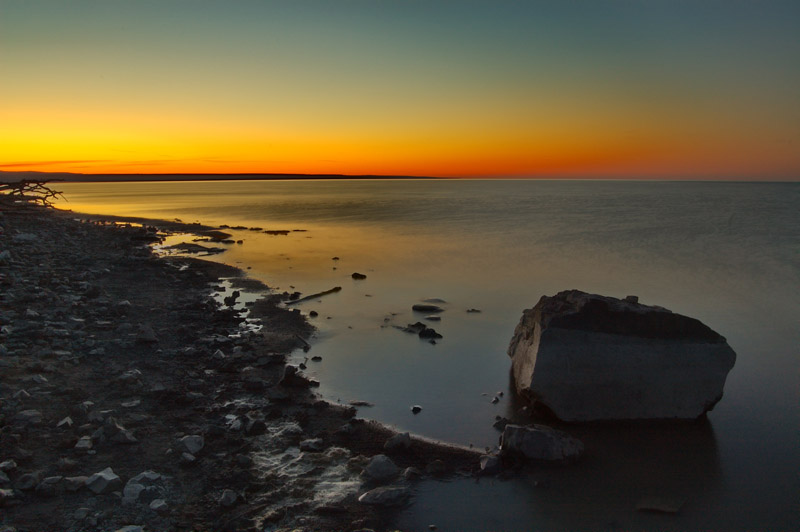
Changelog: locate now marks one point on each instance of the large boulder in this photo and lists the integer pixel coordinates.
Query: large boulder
(587, 357)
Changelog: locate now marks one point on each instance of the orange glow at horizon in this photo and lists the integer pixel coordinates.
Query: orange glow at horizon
(298, 88)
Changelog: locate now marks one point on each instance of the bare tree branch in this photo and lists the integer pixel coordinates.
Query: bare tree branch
(28, 192)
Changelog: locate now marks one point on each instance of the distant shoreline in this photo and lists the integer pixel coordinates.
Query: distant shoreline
(115, 178)
(67, 177)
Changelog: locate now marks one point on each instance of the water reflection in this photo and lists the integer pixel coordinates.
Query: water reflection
(622, 464)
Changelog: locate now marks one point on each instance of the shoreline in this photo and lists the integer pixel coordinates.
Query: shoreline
(115, 358)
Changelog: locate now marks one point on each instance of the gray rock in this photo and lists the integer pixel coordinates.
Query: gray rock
(84, 443)
(490, 464)
(146, 478)
(104, 481)
(412, 473)
(66, 423)
(587, 357)
(192, 444)
(130, 528)
(116, 433)
(7, 496)
(81, 513)
(385, 496)
(381, 469)
(314, 445)
(228, 498)
(436, 468)
(74, 483)
(426, 308)
(4, 480)
(187, 459)
(398, 442)
(8, 465)
(146, 334)
(159, 506)
(131, 492)
(28, 417)
(540, 443)
(28, 481)
(50, 486)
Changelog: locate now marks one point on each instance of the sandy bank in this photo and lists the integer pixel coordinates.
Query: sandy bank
(114, 358)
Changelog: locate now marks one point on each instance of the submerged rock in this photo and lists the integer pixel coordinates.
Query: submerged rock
(420, 307)
(588, 357)
(385, 496)
(540, 443)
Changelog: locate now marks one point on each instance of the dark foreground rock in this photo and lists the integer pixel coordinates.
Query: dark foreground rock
(133, 399)
(540, 443)
(587, 357)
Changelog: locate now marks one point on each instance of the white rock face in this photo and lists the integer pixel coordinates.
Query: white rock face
(587, 357)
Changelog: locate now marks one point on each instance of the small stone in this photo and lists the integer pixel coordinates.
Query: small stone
(130, 528)
(192, 444)
(4, 480)
(381, 469)
(358, 276)
(8, 465)
(28, 481)
(313, 445)
(159, 506)
(385, 496)
(28, 417)
(132, 491)
(490, 464)
(66, 423)
(412, 473)
(74, 483)
(49, 486)
(416, 409)
(187, 459)
(398, 442)
(81, 514)
(228, 498)
(84, 443)
(146, 334)
(436, 468)
(104, 481)
(7, 496)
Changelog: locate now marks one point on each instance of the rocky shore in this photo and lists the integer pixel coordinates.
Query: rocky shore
(131, 399)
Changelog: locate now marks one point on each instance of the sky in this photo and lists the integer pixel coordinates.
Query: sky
(669, 89)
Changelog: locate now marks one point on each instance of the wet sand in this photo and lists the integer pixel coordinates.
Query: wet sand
(114, 358)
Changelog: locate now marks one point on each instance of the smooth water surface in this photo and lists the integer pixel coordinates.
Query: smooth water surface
(725, 253)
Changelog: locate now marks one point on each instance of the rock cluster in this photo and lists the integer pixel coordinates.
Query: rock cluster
(132, 396)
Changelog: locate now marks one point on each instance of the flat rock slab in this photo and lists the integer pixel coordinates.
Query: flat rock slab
(586, 357)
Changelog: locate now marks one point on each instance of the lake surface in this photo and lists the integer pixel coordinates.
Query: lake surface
(725, 253)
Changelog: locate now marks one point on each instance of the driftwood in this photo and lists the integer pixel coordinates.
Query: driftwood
(27, 192)
(318, 294)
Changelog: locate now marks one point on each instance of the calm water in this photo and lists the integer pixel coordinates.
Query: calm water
(726, 253)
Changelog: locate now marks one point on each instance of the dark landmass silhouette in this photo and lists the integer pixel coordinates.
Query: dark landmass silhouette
(76, 177)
